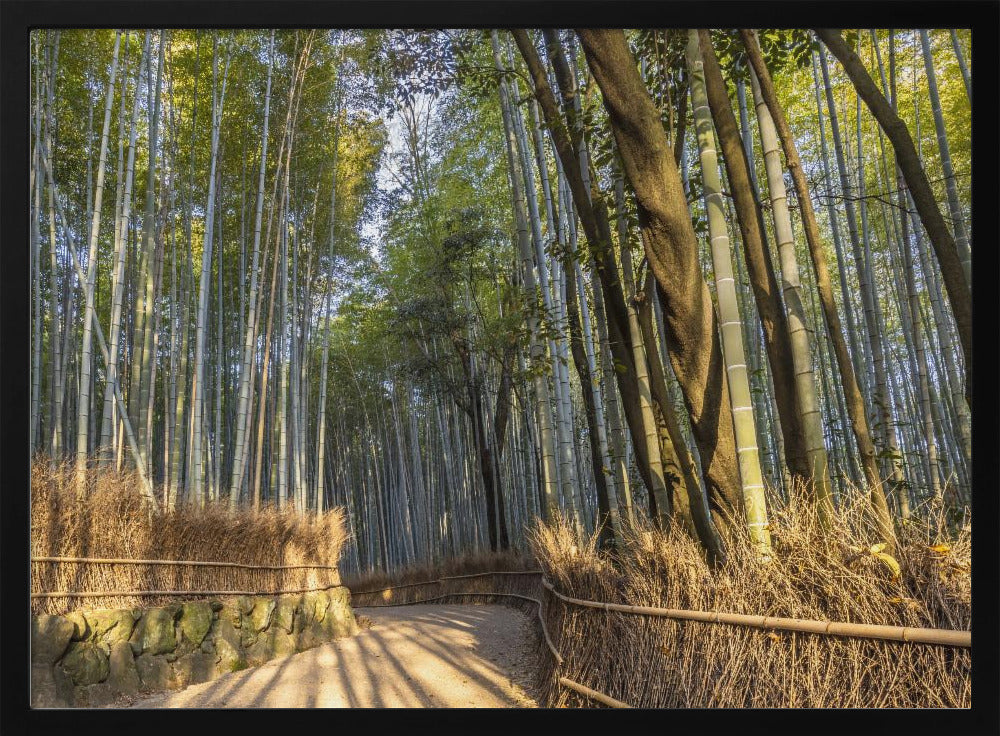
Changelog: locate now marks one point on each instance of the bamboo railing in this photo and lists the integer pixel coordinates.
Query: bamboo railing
(941, 637)
(196, 563)
(105, 579)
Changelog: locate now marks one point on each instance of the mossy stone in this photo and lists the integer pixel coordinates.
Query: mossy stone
(154, 632)
(273, 643)
(110, 625)
(260, 616)
(86, 663)
(245, 604)
(195, 621)
(228, 645)
(284, 613)
(316, 604)
(81, 629)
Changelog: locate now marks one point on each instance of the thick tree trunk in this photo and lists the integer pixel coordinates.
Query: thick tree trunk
(672, 251)
(594, 219)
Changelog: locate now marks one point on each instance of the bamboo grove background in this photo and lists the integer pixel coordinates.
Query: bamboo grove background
(364, 269)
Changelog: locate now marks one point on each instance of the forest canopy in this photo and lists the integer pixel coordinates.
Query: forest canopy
(456, 280)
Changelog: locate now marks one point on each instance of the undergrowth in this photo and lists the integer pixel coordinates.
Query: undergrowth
(836, 574)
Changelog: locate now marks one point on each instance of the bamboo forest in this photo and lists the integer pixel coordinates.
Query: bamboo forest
(681, 317)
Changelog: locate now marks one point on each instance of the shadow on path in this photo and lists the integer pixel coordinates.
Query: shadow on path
(413, 656)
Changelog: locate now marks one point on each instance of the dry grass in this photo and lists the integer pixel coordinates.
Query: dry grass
(815, 574)
(112, 521)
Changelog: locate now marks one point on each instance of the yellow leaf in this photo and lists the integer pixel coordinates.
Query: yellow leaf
(774, 637)
(876, 548)
(890, 562)
(941, 548)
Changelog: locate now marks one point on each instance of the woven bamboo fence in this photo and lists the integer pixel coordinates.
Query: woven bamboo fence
(105, 550)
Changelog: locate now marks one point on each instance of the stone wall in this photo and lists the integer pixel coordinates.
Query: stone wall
(91, 658)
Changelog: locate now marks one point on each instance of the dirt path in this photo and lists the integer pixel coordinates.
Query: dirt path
(412, 656)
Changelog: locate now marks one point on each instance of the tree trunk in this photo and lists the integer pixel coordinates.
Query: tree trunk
(672, 251)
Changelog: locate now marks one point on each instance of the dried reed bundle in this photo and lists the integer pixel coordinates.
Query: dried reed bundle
(112, 520)
(836, 574)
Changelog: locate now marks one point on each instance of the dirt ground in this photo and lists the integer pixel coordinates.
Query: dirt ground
(429, 656)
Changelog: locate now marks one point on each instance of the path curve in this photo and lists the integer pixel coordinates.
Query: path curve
(457, 656)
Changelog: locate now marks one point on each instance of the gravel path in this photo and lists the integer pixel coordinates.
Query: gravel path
(459, 656)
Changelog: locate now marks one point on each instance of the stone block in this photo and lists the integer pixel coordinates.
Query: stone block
(273, 643)
(284, 613)
(86, 663)
(195, 621)
(154, 632)
(110, 626)
(260, 617)
(229, 654)
(245, 604)
(123, 677)
(316, 604)
(96, 695)
(51, 687)
(50, 635)
(310, 636)
(194, 668)
(155, 673)
(81, 629)
(231, 612)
